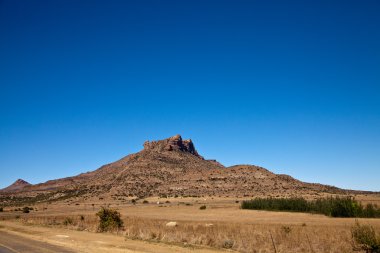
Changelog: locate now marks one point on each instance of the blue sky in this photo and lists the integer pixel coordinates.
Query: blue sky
(293, 86)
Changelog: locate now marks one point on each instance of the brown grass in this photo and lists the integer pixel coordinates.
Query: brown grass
(232, 228)
(240, 237)
(244, 238)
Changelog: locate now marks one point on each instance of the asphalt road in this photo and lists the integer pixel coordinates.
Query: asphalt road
(10, 243)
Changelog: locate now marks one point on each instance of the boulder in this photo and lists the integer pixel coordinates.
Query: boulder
(172, 224)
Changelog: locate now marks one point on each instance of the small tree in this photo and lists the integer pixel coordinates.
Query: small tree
(109, 220)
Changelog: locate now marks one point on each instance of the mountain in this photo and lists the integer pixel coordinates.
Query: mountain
(169, 167)
(18, 185)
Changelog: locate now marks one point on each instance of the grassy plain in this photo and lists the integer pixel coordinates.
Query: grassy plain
(222, 225)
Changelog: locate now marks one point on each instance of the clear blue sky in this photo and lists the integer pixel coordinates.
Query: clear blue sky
(293, 86)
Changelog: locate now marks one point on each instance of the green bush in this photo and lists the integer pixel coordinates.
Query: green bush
(335, 207)
(109, 220)
(365, 238)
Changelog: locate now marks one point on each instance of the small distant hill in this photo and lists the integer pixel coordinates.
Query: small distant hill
(169, 167)
(18, 185)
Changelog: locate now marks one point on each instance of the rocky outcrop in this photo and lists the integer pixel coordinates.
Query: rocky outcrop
(175, 143)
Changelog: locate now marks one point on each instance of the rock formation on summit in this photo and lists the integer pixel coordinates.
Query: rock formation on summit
(173, 143)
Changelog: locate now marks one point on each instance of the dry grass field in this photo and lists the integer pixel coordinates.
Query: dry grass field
(222, 225)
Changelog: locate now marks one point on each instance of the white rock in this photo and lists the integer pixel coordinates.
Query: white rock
(62, 236)
(172, 224)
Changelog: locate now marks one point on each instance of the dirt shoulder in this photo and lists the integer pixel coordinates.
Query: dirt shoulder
(82, 241)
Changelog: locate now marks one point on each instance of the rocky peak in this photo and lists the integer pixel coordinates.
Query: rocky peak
(173, 143)
(20, 182)
(17, 185)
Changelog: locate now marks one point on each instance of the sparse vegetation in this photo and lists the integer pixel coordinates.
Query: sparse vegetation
(365, 238)
(109, 220)
(228, 244)
(244, 237)
(67, 221)
(286, 229)
(202, 207)
(1, 209)
(26, 210)
(334, 207)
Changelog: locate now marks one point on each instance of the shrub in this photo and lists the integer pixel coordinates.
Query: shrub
(345, 207)
(228, 244)
(1, 209)
(81, 217)
(202, 207)
(286, 229)
(25, 209)
(145, 202)
(67, 221)
(109, 220)
(365, 238)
